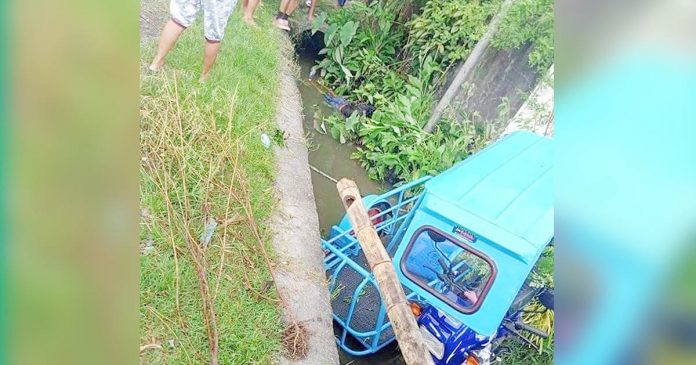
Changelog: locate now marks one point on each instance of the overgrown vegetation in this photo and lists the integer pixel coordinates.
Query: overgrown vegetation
(529, 21)
(373, 57)
(448, 30)
(373, 54)
(537, 316)
(206, 194)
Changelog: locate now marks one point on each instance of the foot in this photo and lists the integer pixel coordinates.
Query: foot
(250, 21)
(204, 78)
(156, 65)
(282, 24)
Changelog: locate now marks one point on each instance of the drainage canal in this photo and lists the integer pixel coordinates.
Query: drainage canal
(329, 160)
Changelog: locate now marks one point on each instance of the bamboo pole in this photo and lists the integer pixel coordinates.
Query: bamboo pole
(398, 310)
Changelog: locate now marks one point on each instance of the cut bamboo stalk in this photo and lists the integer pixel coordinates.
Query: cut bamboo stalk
(398, 310)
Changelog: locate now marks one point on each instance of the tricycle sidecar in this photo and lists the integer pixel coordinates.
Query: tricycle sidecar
(463, 244)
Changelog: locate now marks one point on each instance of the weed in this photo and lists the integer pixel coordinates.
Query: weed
(529, 21)
(295, 341)
(198, 141)
(279, 137)
(372, 57)
(448, 30)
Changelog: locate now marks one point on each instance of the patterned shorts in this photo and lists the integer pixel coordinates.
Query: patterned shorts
(215, 15)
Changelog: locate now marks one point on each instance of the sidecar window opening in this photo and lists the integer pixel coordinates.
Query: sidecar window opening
(448, 268)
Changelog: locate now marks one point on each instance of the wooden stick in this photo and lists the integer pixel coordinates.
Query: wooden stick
(398, 310)
(322, 173)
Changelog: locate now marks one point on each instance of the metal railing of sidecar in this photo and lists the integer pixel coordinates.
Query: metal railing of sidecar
(362, 314)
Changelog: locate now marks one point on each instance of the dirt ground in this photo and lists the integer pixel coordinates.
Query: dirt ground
(153, 15)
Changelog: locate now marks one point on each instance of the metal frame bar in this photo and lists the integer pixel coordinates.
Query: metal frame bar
(338, 258)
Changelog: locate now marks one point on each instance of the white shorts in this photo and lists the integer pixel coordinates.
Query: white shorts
(216, 13)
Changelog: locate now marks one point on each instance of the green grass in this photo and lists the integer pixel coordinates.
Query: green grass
(523, 355)
(520, 353)
(222, 118)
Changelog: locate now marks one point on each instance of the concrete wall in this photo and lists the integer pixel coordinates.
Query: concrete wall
(536, 114)
(500, 77)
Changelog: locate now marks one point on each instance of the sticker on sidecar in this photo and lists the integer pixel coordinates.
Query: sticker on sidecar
(466, 234)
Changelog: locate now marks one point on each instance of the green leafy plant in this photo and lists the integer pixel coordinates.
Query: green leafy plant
(529, 21)
(361, 43)
(448, 30)
(371, 56)
(367, 59)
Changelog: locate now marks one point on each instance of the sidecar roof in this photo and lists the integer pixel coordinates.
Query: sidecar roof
(506, 187)
(499, 202)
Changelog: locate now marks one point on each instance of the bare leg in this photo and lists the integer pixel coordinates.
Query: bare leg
(210, 54)
(249, 12)
(245, 4)
(286, 8)
(283, 5)
(291, 6)
(170, 34)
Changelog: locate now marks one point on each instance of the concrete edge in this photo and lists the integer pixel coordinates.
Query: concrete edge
(295, 224)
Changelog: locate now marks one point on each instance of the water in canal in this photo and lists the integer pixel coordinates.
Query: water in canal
(333, 158)
(328, 155)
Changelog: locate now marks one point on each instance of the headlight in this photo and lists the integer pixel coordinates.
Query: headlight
(432, 343)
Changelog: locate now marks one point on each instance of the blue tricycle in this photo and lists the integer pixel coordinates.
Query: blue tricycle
(463, 244)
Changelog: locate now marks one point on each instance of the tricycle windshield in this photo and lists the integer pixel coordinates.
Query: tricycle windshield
(448, 268)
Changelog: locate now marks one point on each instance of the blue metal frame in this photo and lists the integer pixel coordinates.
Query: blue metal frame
(342, 248)
(499, 201)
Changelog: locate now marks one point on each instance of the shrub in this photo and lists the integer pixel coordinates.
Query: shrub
(361, 46)
(372, 57)
(529, 21)
(448, 30)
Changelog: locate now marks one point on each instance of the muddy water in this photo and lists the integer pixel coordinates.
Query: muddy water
(328, 156)
(333, 159)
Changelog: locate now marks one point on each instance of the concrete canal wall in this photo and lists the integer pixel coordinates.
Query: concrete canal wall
(501, 79)
(296, 241)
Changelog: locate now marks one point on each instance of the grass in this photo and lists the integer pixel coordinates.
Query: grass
(523, 355)
(202, 162)
(520, 353)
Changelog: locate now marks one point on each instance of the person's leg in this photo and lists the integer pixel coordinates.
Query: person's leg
(183, 13)
(283, 6)
(286, 8)
(291, 6)
(171, 32)
(249, 12)
(209, 55)
(281, 10)
(216, 14)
